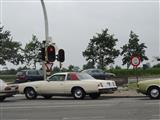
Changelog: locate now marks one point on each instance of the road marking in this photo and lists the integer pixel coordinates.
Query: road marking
(85, 118)
(56, 106)
(153, 103)
(154, 119)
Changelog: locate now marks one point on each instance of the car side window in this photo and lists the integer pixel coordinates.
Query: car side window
(69, 77)
(72, 76)
(33, 72)
(57, 78)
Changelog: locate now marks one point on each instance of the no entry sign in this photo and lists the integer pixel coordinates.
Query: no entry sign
(135, 60)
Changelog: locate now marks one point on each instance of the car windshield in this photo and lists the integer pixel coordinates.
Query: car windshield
(33, 72)
(84, 76)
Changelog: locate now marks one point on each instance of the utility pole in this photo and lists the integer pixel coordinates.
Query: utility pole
(46, 36)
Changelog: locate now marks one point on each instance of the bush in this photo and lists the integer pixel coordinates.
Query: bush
(134, 72)
(8, 78)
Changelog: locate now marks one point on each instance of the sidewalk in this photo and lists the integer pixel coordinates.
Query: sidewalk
(125, 93)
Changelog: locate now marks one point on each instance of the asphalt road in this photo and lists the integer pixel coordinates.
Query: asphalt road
(63, 108)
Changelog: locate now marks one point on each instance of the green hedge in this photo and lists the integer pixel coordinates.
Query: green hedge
(133, 72)
(119, 73)
(8, 78)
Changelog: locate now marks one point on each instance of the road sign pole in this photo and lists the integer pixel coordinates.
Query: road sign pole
(135, 61)
(136, 74)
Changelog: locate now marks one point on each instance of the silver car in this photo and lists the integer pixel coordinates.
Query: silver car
(7, 90)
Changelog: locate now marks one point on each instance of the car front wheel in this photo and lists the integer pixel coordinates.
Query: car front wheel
(30, 93)
(78, 93)
(154, 92)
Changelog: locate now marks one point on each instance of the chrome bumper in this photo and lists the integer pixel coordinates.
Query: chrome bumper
(107, 90)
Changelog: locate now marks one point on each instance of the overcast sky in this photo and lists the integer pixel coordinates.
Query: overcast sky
(73, 23)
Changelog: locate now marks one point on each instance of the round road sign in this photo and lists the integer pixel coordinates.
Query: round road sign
(135, 60)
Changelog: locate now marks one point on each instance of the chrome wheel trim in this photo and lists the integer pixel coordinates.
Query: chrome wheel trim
(78, 93)
(154, 93)
(30, 93)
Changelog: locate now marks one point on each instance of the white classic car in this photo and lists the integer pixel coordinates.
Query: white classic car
(75, 84)
(7, 90)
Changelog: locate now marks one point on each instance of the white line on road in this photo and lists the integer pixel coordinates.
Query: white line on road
(56, 106)
(85, 118)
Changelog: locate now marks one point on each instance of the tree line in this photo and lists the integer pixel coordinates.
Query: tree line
(12, 51)
(100, 52)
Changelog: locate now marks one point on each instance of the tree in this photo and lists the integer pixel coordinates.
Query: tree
(56, 69)
(88, 65)
(157, 65)
(9, 50)
(31, 51)
(133, 48)
(101, 50)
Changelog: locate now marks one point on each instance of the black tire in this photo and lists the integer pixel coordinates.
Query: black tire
(2, 99)
(94, 95)
(47, 96)
(78, 93)
(154, 92)
(30, 93)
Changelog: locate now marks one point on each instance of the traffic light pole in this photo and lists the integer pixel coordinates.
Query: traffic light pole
(46, 36)
(46, 21)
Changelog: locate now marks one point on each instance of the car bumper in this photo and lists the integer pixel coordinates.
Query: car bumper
(107, 90)
(141, 91)
(8, 94)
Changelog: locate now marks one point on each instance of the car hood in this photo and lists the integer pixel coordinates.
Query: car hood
(157, 81)
(33, 83)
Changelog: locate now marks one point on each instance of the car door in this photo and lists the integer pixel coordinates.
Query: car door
(71, 81)
(54, 85)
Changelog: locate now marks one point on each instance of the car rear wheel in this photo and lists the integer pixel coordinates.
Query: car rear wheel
(78, 93)
(154, 92)
(94, 95)
(30, 93)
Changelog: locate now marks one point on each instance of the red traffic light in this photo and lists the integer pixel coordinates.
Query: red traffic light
(51, 53)
(50, 49)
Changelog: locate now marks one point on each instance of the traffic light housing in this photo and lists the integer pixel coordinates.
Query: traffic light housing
(51, 53)
(42, 54)
(61, 55)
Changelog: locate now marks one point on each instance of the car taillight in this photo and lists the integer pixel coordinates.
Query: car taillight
(100, 85)
(7, 88)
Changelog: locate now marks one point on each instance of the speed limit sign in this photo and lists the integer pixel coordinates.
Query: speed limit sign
(135, 60)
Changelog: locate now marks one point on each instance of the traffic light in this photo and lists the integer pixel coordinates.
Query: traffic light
(42, 54)
(51, 53)
(61, 55)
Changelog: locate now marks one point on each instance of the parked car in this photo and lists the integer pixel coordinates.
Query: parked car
(28, 75)
(7, 90)
(99, 74)
(150, 88)
(75, 84)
